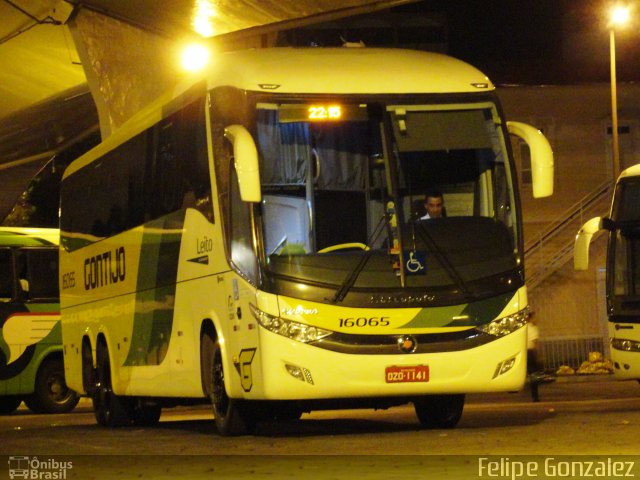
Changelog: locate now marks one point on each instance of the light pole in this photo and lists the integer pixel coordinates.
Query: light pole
(619, 17)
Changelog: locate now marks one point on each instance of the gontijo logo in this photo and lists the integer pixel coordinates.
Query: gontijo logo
(34, 468)
(104, 269)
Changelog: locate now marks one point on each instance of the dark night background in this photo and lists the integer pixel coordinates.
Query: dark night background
(542, 41)
(512, 41)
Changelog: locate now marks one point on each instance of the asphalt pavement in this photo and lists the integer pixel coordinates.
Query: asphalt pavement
(567, 389)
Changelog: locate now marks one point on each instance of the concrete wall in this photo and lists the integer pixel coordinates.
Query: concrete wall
(575, 118)
(571, 303)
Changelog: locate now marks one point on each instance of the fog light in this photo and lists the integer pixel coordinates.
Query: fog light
(299, 373)
(507, 365)
(504, 367)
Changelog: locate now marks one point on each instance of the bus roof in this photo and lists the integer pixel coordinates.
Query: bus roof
(345, 70)
(28, 237)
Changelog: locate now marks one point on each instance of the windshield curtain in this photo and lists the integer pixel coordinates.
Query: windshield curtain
(342, 192)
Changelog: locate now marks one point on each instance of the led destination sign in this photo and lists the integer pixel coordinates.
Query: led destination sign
(321, 112)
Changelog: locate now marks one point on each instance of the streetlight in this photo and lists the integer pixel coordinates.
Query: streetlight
(619, 16)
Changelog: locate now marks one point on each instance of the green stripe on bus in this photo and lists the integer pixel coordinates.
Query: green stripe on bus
(156, 289)
(464, 315)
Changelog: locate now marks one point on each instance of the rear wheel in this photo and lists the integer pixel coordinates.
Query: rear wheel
(9, 404)
(110, 409)
(51, 394)
(439, 411)
(88, 372)
(232, 416)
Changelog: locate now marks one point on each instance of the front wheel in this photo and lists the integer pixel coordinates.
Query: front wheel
(51, 394)
(439, 411)
(232, 416)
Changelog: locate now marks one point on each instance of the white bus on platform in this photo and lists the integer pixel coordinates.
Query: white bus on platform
(255, 239)
(623, 271)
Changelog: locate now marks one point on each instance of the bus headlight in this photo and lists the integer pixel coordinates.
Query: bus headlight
(625, 345)
(506, 325)
(300, 332)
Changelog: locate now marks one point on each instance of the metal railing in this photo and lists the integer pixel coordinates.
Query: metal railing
(552, 247)
(570, 351)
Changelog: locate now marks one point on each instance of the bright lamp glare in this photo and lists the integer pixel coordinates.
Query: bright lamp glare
(195, 57)
(204, 15)
(203, 27)
(619, 15)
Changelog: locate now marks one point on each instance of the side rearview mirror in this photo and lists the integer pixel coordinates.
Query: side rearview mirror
(583, 241)
(245, 157)
(541, 157)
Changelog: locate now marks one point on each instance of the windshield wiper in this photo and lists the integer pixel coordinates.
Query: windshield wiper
(350, 280)
(427, 238)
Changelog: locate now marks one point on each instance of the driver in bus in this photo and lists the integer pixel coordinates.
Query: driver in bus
(433, 205)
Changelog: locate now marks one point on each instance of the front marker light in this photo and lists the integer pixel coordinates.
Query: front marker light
(506, 325)
(300, 332)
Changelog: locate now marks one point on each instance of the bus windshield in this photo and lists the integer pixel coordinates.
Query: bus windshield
(623, 271)
(343, 195)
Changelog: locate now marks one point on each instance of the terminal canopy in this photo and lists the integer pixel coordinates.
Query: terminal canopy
(68, 65)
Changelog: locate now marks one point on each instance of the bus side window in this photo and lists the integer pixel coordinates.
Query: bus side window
(23, 275)
(6, 275)
(181, 178)
(38, 273)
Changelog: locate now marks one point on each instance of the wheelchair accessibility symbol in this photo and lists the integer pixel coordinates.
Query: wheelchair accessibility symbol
(414, 263)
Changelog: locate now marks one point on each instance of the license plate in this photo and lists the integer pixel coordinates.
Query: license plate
(406, 374)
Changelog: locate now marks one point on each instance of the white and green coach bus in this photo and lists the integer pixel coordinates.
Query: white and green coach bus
(623, 271)
(256, 239)
(31, 362)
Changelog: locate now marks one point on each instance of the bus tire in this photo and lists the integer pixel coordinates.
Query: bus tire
(231, 416)
(51, 394)
(9, 404)
(207, 347)
(88, 372)
(110, 410)
(439, 411)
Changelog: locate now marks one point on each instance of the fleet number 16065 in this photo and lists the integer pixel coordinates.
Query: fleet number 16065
(364, 322)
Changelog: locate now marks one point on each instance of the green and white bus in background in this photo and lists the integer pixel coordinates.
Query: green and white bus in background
(623, 271)
(255, 239)
(31, 361)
